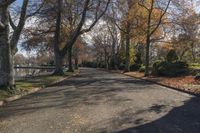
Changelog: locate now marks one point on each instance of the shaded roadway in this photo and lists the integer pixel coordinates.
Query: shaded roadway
(100, 102)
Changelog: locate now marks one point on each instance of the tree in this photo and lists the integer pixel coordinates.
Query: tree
(89, 11)
(10, 45)
(124, 26)
(187, 40)
(6, 70)
(102, 42)
(114, 34)
(152, 6)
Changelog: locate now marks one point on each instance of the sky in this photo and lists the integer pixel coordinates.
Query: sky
(19, 2)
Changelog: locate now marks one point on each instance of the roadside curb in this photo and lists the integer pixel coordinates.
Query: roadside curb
(164, 85)
(16, 97)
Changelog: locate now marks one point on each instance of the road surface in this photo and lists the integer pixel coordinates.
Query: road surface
(100, 102)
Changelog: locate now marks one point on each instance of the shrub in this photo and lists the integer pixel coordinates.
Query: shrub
(172, 56)
(195, 66)
(121, 66)
(197, 76)
(142, 68)
(156, 66)
(137, 62)
(89, 64)
(165, 68)
(135, 67)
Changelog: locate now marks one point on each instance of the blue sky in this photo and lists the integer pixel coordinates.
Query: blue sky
(19, 2)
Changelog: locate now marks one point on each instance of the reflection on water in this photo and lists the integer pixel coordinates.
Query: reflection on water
(20, 72)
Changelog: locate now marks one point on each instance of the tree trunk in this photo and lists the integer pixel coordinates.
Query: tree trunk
(58, 59)
(193, 53)
(58, 64)
(70, 67)
(147, 56)
(6, 64)
(127, 66)
(76, 52)
(76, 62)
(113, 56)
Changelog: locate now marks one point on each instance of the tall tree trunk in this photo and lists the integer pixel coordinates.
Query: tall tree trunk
(106, 65)
(113, 56)
(127, 66)
(193, 53)
(76, 52)
(58, 64)
(58, 59)
(6, 64)
(147, 56)
(76, 62)
(70, 67)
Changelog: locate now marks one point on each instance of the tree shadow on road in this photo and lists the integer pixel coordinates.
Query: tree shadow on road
(71, 92)
(183, 119)
(91, 91)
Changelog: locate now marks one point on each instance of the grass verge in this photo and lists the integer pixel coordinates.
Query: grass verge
(26, 84)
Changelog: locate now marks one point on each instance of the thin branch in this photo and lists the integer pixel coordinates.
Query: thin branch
(75, 34)
(121, 29)
(37, 11)
(12, 23)
(160, 19)
(2, 26)
(96, 20)
(142, 5)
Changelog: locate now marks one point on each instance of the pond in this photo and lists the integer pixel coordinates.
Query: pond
(30, 71)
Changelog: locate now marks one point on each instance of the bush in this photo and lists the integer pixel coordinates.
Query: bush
(172, 56)
(142, 68)
(156, 66)
(89, 64)
(137, 62)
(197, 76)
(135, 67)
(121, 66)
(165, 68)
(195, 66)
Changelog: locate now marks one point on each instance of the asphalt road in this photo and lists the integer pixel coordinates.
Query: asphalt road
(101, 102)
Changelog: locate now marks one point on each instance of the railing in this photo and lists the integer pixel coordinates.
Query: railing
(31, 71)
(34, 67)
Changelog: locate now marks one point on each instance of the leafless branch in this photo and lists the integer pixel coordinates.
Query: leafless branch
(12, 23)
(96, 19)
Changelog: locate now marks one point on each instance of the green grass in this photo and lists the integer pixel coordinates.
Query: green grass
(4, 94)
(30, 83)
(195, 66)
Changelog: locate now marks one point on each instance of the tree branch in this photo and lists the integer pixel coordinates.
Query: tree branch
(20, 26)
(12, 23)
(6, 3)
(37, 11)
(160, 19)
(2, 26)
(142, 5)
(96, 19)
(75, 34)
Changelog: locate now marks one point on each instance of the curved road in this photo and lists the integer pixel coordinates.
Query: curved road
(101, 102)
